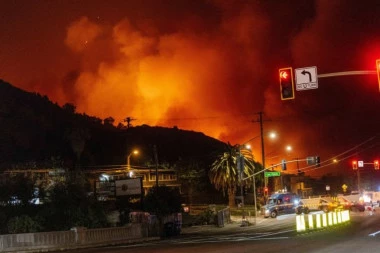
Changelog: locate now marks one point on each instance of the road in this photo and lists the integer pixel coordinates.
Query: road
(268, 235)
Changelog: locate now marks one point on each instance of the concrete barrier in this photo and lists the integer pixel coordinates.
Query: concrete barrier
(306, 222)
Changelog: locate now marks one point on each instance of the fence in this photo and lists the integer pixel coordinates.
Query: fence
(75, 238)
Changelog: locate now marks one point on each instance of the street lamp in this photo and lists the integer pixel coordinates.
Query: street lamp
(271, 135)
(134, 152)
(299, 173)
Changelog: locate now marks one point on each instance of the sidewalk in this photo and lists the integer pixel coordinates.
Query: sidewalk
(236, 225)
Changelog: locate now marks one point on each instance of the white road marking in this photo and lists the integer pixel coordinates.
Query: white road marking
(374, 234)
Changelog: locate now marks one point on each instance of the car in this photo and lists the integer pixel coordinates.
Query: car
(330, 205)
(300, 208)
(357, 206)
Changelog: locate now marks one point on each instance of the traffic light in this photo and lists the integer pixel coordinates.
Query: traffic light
(376, 164)
(286, 83)
(317, 161)
(378, 71)
(283, 164)
(354, 165)
(265, 190)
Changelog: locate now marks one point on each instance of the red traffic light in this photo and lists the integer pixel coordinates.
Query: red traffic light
(284, 74)
(378, 71)
(286, 83)
(376, 164)
(354, 165)
(265, 189)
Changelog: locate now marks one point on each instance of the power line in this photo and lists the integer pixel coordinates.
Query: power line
(330, 161)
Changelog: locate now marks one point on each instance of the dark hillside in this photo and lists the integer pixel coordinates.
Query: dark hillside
(35, 132)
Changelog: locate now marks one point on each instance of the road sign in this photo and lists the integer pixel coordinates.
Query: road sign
(360, 164)
(272, 174)
(310, 160)
(306, 78)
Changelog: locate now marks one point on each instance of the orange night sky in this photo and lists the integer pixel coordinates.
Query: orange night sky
(206, 66)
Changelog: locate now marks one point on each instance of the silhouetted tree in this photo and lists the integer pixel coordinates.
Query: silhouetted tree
(68, 107)
(190, 173)
(224, 174)
(77, 138)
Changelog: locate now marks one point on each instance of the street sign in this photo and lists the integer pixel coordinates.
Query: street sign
(360, 164)
(310, 160)
(306, 78)
(272, 174)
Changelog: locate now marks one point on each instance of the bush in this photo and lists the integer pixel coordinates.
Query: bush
(207, 217)
(23, 224)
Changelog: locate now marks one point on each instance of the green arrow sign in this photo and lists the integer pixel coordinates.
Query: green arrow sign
(272, 174)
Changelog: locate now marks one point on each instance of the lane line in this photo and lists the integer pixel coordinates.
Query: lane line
(374, 234)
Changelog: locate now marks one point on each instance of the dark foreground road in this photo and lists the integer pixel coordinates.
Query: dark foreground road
(361, 234)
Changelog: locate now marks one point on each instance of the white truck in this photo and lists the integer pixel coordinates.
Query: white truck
(371, 197)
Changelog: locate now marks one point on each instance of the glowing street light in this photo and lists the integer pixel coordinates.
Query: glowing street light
(272, 135)
(134, 152)
(288, 148)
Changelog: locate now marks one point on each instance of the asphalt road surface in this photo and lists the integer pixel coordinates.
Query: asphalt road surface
(361, 234)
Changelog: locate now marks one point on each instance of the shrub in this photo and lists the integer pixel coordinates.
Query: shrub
(23, 224)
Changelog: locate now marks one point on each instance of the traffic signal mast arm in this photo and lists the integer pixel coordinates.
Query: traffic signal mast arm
(358, 72)
(287, 82)
(275, 165)
(348, 73)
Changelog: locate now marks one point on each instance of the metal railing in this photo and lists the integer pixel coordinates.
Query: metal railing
(76, 237)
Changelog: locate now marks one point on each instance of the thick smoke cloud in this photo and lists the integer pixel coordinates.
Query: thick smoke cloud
(161, 78)
(207, 66)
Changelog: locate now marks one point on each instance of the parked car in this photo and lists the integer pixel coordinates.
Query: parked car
(357, 206)
(352, 203)
(329, 205)
(301, 208)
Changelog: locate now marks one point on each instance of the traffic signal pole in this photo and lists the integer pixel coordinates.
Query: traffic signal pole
(262, 150)
(348, 73)
(287, 81)
(359, 183)
(273, 166)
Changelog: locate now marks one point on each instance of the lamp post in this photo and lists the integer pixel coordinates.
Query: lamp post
(299, 173)
(134, 152)
(271, 135)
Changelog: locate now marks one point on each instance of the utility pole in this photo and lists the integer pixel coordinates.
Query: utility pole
(129, 120)
(299, 178)
(262, 144)
(358, 178)
(260, 120)
(156, 160)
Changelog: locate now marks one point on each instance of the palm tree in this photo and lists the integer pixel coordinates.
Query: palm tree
(224, 173)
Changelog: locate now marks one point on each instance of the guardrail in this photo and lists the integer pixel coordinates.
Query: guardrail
(75, 238)
(313, 221)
